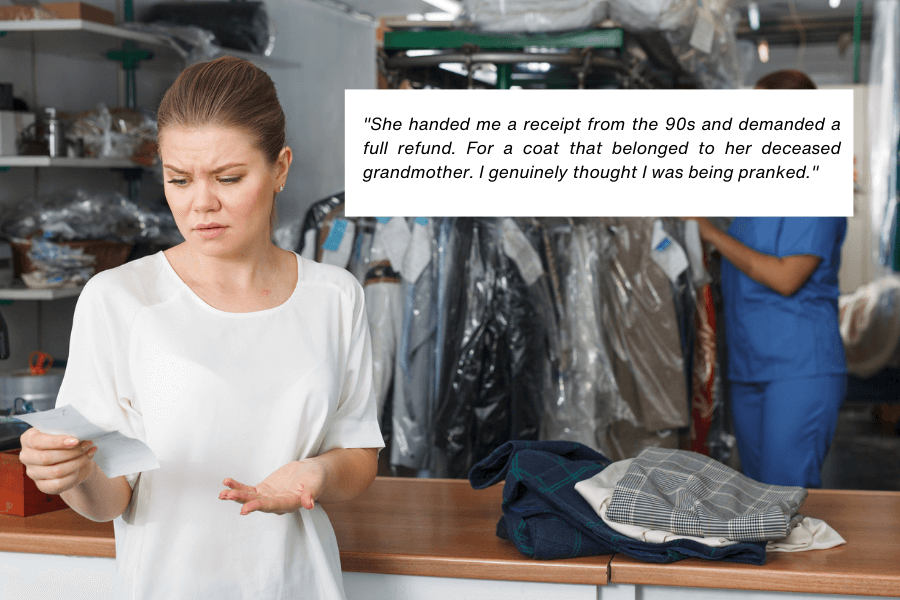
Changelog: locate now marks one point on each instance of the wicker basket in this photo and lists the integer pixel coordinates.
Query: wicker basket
(108, 254)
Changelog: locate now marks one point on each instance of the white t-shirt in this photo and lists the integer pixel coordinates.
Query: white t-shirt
(215, 395)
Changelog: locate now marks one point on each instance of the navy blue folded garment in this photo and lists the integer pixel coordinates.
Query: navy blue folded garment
(546, 518)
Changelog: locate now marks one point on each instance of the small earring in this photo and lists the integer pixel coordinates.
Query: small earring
(281, 189)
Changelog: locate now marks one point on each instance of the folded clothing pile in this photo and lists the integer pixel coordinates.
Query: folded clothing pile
(670, 505)
(546, 518)
(666, 495)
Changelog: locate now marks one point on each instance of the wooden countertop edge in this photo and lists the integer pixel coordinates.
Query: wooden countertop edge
(479, 568)
(66, 545)
(700, 576)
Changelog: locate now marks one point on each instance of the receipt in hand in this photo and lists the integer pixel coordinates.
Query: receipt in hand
(116, 455)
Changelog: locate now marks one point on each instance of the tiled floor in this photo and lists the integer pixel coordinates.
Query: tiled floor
(861, 458)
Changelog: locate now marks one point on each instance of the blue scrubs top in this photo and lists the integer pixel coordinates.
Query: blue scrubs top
(771, 337)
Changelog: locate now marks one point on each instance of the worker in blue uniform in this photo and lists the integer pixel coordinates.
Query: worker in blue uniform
(786, 364)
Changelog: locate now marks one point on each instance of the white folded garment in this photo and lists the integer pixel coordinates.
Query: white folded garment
(809, 534)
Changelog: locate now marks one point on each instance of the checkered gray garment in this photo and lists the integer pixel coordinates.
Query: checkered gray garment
(690, 494)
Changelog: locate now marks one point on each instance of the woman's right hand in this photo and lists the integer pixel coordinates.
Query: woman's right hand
(56, 463)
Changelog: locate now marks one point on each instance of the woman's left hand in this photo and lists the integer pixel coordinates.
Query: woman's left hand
(296, 485)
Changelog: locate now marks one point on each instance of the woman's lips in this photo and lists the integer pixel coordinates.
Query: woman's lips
(210, 230)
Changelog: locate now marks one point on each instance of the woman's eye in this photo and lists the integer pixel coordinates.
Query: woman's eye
(178, 182)
(228, 180)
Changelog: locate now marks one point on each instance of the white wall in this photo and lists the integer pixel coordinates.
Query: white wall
(824, 63)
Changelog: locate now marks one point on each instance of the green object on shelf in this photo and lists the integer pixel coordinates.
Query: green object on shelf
(418, 40)
(2, 169)
(130, 55)
(504, 76)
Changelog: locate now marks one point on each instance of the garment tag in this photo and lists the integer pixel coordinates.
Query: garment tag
(418, 255)
(340, 254)
(704, 31)
(667, 253)
(395, 239)
(519, 249)
(336, 235)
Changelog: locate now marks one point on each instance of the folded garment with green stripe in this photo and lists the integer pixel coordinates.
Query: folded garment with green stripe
(546, 518)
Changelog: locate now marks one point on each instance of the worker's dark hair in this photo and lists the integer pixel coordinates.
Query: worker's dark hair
(785, 80)
(228, 92)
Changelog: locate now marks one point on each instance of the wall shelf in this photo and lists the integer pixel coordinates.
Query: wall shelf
(81, 163)
(19, 291)
(87, 39)
(76, 37)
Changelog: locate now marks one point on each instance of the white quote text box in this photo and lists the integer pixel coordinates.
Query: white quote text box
(599, 152)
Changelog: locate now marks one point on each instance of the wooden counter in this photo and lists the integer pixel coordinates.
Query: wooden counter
(868, 564)
(443, 528)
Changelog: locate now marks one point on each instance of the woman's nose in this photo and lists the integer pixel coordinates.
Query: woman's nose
(205, 198)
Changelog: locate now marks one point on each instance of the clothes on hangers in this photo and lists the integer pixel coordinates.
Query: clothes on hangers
(588, 401)
(495, 369)
(639, 321)
(413, 400)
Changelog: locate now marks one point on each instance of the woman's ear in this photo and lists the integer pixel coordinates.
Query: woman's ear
(283, 164)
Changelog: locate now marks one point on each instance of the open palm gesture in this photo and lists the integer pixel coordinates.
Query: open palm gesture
(296, 485)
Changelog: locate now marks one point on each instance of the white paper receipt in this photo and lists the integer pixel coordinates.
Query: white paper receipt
(116, 455)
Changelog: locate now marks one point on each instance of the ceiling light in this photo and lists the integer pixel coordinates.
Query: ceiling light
(447, 6)
(763, 48)
(753, 15)
(422, 52)
(415, 17)
(834, 3)
(536, 67)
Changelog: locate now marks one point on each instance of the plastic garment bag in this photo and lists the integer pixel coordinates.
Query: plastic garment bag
(884, 128)
(495, 367)
(413, 400)
(588, 401)
(638, 315)
(384, 309)
(870, 326)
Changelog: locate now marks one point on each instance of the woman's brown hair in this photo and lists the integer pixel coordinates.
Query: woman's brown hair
(226, 92)
(785, 80)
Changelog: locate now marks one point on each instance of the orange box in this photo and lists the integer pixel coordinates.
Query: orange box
(80, 10)
(60, 10)
(19, 494)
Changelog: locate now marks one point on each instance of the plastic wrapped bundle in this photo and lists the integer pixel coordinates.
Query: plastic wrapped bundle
(117, 133)
(534, 16)
(870, 326)
(86, 215)
(238, 25)
(718, 65)
(653, 15)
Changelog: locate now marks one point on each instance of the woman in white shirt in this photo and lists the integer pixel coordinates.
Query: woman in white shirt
(245, 368)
